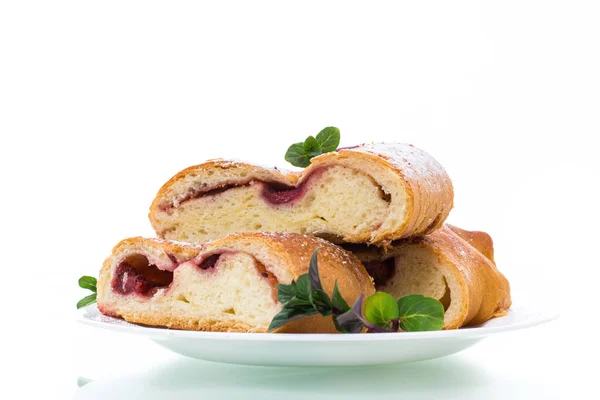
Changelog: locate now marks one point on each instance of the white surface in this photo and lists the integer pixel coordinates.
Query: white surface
(322, 350)
(102, 102)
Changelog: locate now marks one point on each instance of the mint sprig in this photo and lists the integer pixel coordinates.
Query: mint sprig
(382, 313)
(300, 154)
(90, 283)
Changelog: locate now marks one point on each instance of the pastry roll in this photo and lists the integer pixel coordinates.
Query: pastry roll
(373, 193)
(451, 265)
(229, 285)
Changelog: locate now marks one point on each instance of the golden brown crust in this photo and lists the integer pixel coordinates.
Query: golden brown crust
(487, 290)
(480, 240)
(291, 252)
(175, 322)
(182, 250)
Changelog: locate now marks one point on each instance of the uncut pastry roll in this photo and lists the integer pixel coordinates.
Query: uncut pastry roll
(452, 265)
(229, 285)
(373, 193)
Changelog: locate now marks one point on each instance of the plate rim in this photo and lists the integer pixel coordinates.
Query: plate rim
(85, 318)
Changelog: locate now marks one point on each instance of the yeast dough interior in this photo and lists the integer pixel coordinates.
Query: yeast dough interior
(335, 201)
(232, 287)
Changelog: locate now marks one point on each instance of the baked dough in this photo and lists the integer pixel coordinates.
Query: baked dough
(452, 265)
(229, 285)
(373, 193)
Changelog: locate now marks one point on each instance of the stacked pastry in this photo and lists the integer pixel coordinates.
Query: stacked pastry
(230, 232)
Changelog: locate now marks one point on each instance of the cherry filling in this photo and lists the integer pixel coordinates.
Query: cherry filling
(136, 275)
(281, 194)
(273, 192)
(199, 193)
(209, 262)
(196, 193)
(381, 271)
(276, 193)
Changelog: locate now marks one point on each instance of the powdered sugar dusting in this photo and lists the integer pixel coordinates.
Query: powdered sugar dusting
(414, 163)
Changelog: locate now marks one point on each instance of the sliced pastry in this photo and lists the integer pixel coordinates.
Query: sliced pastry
(229, 285)
(452, 265)
(373, 193)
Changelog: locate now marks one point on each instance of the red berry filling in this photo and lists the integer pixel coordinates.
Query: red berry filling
(209, 262)
(136, 275)
(280, 194)
(381, 271)
(273, 192)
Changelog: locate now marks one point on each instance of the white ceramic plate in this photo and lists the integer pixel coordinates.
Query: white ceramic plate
(320, 349)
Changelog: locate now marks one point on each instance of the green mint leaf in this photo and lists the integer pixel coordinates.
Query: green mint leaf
(300, 154)
(351, 321)
(329, 139)
(321, 302)
(311, 148)
(381, 308)
(314, 153)
(319, 299)
(311, 144)
(296, 302)
(338, 301)
(420, 313)
(86, 301)
(286, 292)
(313, 271)
(297, 156)
(88, 282)
(303, 289)
(288, 314)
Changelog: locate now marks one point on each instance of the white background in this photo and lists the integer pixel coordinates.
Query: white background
(102, 102)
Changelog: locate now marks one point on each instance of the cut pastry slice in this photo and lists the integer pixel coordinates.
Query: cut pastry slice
(443, 265)
(372, 193)
(227, 285)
